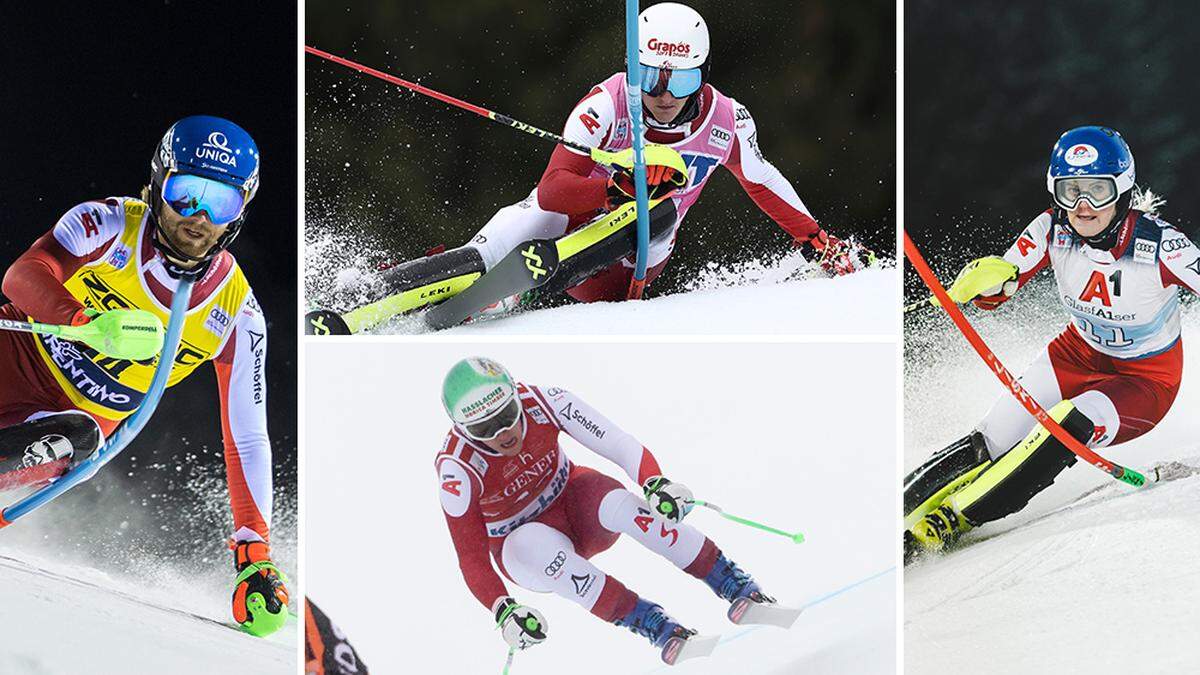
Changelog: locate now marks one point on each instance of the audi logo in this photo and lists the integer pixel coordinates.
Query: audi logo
(556, 564)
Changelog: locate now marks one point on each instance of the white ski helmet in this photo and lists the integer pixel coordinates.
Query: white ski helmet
(673, 50)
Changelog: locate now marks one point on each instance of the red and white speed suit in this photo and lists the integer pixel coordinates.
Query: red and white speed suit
(540, 517)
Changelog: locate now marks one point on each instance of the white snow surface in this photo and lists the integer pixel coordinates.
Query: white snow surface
(62, 618)
(776, 295)
(1102, 584)
(862, 303)
(782, 433)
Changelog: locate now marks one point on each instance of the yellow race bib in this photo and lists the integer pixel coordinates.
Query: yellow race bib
(113, 388)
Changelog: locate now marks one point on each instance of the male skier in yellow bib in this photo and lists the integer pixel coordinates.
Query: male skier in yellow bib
(59, 400)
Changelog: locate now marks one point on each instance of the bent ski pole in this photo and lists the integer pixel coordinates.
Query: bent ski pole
(1010, 382)
(598, 155)
(796, 537)
(126, 334)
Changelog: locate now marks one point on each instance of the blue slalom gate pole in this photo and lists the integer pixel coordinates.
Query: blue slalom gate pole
(633, 95)
(129, 430)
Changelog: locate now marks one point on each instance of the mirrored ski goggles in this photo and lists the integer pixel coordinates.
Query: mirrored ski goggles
(488, 429)
(189, 195)
(681, 83)
(1099, 191)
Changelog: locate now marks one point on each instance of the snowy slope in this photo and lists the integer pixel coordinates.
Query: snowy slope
(116, 568)
(785, 434)
(862, 303)
(1102, 585)
(63, 618)
(784, 296)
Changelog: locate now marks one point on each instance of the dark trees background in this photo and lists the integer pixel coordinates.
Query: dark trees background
(390, 173)
(989, 87)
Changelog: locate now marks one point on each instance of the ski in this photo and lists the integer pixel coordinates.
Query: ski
(1164, 472)
(565, 261)
(328, 322)
(693, 647)
(454, 287)
(527, 267)
(325, 322)
(409, 287)
(745, 611)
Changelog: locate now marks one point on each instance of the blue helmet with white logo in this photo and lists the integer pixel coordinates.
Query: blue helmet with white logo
(1092, 164)
(207, 164)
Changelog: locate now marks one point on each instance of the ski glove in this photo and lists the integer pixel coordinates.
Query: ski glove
(988, 282)
(670, 500)
(521, 626)
(666, 173)
(836, 256)
(259, 596)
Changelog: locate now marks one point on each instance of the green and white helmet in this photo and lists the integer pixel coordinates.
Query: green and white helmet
(476, 391)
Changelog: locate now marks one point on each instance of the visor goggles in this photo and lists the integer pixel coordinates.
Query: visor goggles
(681, 83)
(1099, 191)
(189, 195)
(488, 429)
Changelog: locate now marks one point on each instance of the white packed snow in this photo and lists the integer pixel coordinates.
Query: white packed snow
(1105, 585)
(67, 618)
(783, 433)
(775, 295)
(863, 304)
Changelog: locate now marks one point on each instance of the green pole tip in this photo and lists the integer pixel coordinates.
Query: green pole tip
(798, 538)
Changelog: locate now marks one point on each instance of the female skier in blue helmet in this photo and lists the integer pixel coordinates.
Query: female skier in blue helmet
(1111, 375)
(60, 399)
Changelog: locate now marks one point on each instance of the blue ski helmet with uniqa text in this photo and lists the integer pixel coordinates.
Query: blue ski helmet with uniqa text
(208, 164)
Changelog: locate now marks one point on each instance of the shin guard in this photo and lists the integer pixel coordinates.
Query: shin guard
(1007, 485)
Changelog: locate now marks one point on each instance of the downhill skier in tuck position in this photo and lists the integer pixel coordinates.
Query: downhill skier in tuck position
(510, 494)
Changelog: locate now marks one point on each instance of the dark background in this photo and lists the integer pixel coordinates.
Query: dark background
(990, 86)
(390, 173)
(87, 96)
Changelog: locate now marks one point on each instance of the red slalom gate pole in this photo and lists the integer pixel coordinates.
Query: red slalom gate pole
(458, 103)
(1006, 378)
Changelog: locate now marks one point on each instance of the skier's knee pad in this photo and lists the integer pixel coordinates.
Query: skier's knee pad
(540, 558)
(530, 550)
(618, 508)
(948, 470)
(1031, 466)
(52, 435)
